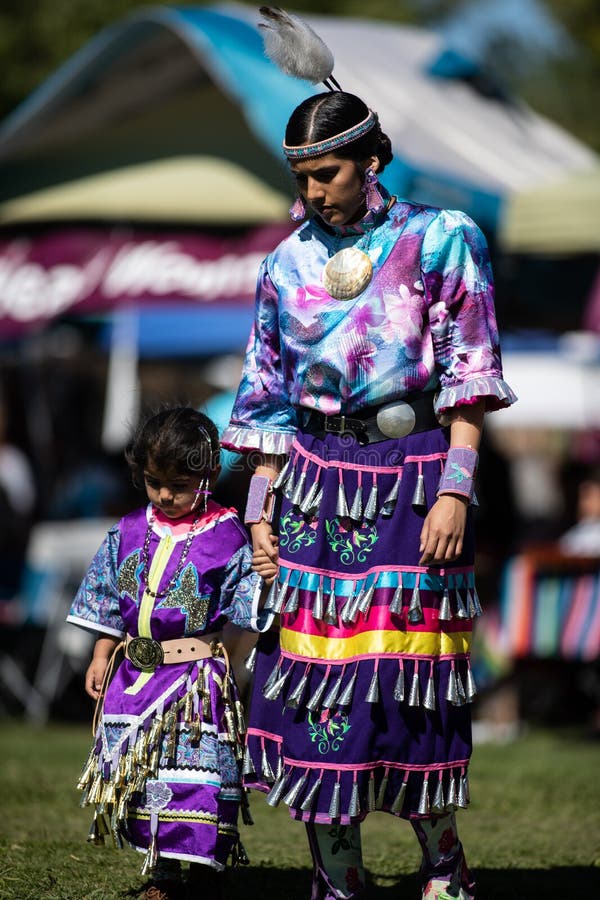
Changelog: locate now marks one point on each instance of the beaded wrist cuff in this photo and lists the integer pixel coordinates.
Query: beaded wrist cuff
(259, 505)
(459, 472)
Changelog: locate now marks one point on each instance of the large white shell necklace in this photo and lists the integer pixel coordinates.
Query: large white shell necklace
(349, 271)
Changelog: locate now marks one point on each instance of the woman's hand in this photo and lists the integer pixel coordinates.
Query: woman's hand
(443, 531)
(265, 558)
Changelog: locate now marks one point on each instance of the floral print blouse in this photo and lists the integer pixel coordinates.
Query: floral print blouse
(426, 321)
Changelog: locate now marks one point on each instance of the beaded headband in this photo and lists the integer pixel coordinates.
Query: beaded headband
(308, 151)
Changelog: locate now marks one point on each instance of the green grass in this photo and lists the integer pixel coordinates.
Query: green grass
(532, 831)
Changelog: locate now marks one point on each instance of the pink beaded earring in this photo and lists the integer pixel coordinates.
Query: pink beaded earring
(298, 209)
(373, 198)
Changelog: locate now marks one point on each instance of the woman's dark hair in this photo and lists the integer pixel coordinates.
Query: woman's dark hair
(178, 439)
(325, 115)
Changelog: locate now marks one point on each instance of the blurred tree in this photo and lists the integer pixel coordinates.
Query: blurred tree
(36, 36)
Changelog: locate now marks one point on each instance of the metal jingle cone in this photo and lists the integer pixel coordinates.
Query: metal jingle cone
(265, 766)
(418, 498)
(429, 698)
(423, 808)
(461, 609)
(331, 617)
(317, 503)
(445, 612)
(250, 662)
(372, 502)
(452, 798)
(314, 702)
(271, 596)
(272, 677)
(462, 697)
(345, 698)
(371, 804)
(248, 765)
(274, 796)
(295, 698)
(399, 686)
(346, 609)
(277, 605)
(308, 801)
(334, 806)
(364, 604)
(341, 508)
(396, 602)
(389, 504)
(476, 603)
(381, 792)
(414, 695)
(415, 610)
(306, 506)
(354, 805)
(356, 511)
(350, 609)
(289, 486)
(295, 790)
(317, 609)
(471, 687)
(471, 604)
(373, 692)
(398, 803)
(462, 795)
(283, 475)
(293, 601)
(465, 778)
(299, 490)
(452, 690)
(438, 804)
(331, 697)
(274, 691)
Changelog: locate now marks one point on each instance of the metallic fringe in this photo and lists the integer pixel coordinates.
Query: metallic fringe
(389, 504)
(396, 602)
(373, 692)
(418, 498)
(308, 801)
(318, 602)
(371, 804)
(298, 493)
(331, 617)
(354, 806)
(414, 695)
(463, 792)
(461, 609)
(295, 698)
(330, 699)
(382, 789)
(438, 805)
(471, 688)
(341, 509)
(274, 796)
(272, 677)
(283, 475)
(248, 765)
(452, 689)
(288, 486)
(365, 602)
(452, 798)
(423, 808)
(445, 611)
(429, 698)
(251, 660)
(345, 698)
(293, 601)
(415, 610)
(295, 791)
(308, 504)
(334, 806)
(314, 702)
(265, 766)
(399, 799)
(349, 611)
(277, 604)
(274, 691)
(356, 512)
(371, 507)
(399, 686)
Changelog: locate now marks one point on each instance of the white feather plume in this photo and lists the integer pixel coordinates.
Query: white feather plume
(294, 46)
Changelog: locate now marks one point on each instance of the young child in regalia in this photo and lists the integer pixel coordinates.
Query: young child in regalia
(163, 774)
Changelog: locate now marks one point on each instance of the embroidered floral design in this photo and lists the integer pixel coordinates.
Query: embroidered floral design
(352, 545)
(343, 839)
(295, 533)
(329, 732)
(128, 577)
(158, 795)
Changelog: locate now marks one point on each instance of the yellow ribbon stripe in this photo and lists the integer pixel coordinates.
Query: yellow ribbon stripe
(411, 643)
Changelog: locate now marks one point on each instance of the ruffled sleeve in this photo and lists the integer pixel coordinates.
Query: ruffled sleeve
(96, 604)
(263, 417)
(457, 278)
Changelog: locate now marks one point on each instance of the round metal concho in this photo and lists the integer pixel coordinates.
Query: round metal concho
(347, 274)
(396, 419)
(144, 653)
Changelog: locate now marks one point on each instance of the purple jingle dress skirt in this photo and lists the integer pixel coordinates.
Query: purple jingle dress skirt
(361, 699)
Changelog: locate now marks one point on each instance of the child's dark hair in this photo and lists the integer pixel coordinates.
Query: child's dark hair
(178, 439)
